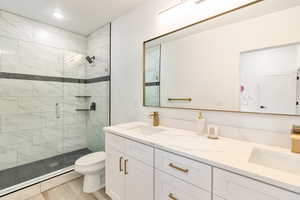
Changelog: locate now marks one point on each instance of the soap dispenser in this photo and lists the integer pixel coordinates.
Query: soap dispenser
(200, 124)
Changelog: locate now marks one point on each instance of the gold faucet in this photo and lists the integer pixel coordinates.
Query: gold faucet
(295, 136)
(155, 118)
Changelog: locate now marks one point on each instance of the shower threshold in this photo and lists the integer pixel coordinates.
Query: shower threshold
(19, 177)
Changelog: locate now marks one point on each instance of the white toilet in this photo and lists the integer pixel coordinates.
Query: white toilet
(91, 166)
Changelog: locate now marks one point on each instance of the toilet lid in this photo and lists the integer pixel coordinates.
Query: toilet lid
(91, 159)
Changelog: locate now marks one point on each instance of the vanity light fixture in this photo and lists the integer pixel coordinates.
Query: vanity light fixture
(199, 1)
(57, 14)
(178, 3)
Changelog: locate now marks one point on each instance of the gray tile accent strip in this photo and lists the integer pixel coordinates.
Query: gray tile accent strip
(39, 78)
(98, 79)
(152, 84)
(5, 75)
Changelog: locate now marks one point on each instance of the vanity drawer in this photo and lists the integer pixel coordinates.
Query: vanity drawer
(235, 187)
(217, 198)
(169, 187)
(140, 152)
(188, 170)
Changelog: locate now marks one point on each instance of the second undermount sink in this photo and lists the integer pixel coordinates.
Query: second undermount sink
(284, 161)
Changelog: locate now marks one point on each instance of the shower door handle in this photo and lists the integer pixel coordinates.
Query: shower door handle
(57, 111)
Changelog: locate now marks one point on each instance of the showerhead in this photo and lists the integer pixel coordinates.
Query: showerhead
(90, 59)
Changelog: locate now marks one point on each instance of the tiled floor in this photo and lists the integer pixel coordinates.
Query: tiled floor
(71, 191)
(16, 175)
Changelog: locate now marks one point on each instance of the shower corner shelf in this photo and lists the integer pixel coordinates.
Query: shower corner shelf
(83, 96)
(84, 109)
(92, 108)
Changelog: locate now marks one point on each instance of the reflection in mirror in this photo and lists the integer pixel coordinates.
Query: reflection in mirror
(269, 80)
(152, 75)
(244, 61)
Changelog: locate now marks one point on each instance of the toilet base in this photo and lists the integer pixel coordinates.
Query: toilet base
(92, 183)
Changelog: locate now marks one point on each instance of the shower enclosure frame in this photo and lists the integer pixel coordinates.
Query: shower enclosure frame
(59, 172)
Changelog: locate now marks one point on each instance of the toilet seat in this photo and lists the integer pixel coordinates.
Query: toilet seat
(91, 159)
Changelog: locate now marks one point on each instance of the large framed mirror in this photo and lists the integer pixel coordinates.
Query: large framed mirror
(244, 60)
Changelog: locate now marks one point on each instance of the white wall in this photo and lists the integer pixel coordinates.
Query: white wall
(128, 34)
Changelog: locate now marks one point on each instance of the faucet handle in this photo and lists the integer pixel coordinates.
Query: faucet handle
(153, 114)
(296, 129)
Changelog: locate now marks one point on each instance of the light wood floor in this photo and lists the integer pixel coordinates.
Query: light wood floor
(71, 191)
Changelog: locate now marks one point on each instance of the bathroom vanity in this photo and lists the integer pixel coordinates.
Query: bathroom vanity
(146, 163)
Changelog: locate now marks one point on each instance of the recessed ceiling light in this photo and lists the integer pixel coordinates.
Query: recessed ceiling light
(57, 14)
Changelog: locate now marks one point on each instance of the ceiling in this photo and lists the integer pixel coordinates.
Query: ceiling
(80, 16)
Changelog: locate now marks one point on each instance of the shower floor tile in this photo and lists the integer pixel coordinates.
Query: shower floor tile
(16, 175)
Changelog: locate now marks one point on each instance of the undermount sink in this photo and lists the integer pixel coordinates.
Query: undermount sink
(147, 130)
(284, 161)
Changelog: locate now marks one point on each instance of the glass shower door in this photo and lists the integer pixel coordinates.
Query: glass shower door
(31, 99)
(41, 131)
(46, 90)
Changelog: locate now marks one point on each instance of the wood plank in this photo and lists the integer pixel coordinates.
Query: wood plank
(71, 190)
(39, 197)
(101, 195)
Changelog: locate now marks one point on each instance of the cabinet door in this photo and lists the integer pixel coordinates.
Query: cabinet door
(114, 174)
(234, 187)
(138, 180)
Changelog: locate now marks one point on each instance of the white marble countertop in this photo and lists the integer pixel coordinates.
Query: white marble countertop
(224, 153)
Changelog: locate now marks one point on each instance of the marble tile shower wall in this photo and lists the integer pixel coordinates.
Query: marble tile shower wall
(98, 46)
(32, 127)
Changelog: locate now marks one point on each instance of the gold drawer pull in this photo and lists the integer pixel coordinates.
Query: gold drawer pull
(126, 171)
(178, 168)
(120, 164)
(171, 196)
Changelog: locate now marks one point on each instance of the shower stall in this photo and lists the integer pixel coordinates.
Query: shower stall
(54, 102)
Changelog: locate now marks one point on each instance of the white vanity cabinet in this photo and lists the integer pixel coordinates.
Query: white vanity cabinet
(231, 186)
(129, 169)
(135, 171)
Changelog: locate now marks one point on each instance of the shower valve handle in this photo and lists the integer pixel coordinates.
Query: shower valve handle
(57, 110)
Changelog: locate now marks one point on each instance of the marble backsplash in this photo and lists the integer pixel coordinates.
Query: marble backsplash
(274, 131)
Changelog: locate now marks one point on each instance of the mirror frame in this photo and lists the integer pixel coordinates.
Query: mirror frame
(186, 27)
